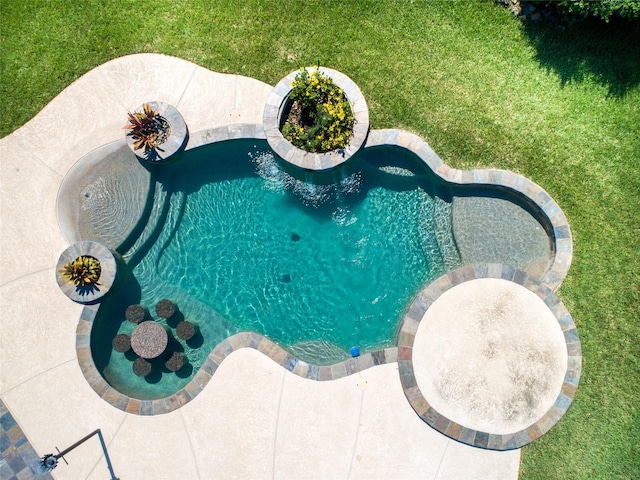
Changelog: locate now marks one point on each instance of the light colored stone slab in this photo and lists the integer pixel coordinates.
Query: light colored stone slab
(143, 78)
(29, 237)
(232, 421)
(56, 409)
(461, 461)
(322, 448)
(250, 99)
(153, 448)
(390, 429)
(208, 100)
(83, 117)
(37, 333)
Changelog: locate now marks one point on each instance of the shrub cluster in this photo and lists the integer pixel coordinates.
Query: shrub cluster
(602, 9)
(320, 118)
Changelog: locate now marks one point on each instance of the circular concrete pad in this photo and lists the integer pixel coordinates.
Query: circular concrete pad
(490, 355)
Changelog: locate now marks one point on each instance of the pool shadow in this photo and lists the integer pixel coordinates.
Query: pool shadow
(608, 53)
(175, 319)
(130, 355)
(110, 318)
(173, 345)
(197, 340)
(216, 162)
(318, 193)
(155, 376)
(185, 372)
(388, 167)
(84, 290)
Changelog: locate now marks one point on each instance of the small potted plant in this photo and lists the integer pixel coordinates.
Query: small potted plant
(316, 118)
(86, 271)
(83, 272)
(156, 132)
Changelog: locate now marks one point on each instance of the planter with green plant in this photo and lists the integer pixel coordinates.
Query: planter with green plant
(83, 272)
(86, 271)
(156, 132)
(316, 118)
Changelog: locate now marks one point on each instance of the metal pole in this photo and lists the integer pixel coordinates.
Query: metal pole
(106, 456)
(79, 442)
(46, 462)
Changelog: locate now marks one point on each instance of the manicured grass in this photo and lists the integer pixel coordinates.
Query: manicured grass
(482, 88)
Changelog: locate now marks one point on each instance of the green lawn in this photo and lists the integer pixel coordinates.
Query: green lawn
(482, 88)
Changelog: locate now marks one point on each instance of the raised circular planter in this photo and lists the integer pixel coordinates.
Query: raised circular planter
(277, 104)
(108, 272)
(176, 141)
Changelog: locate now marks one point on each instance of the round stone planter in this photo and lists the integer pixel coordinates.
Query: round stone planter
(277, 104)
(108, 272)
(176, 142)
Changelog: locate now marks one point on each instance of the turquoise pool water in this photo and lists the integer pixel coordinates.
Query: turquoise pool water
(316, 262)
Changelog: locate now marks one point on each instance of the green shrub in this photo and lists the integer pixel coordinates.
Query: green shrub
(603, 9)
(320, 118)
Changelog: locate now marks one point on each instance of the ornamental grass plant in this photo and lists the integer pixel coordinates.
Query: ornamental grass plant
(82, 272)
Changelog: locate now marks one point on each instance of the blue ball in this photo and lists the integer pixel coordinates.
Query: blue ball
(355, 351)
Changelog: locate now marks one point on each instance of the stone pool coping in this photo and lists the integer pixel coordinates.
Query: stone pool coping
(409, 328)
(389, 137)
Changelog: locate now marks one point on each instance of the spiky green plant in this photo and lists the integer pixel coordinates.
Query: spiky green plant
(84, 271)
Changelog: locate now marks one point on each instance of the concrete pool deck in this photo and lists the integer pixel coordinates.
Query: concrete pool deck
(254, 419)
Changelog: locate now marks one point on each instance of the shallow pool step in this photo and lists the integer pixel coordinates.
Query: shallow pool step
(155, 223)
(443, 218)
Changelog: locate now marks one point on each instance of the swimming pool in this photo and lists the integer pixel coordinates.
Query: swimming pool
(316, 262)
